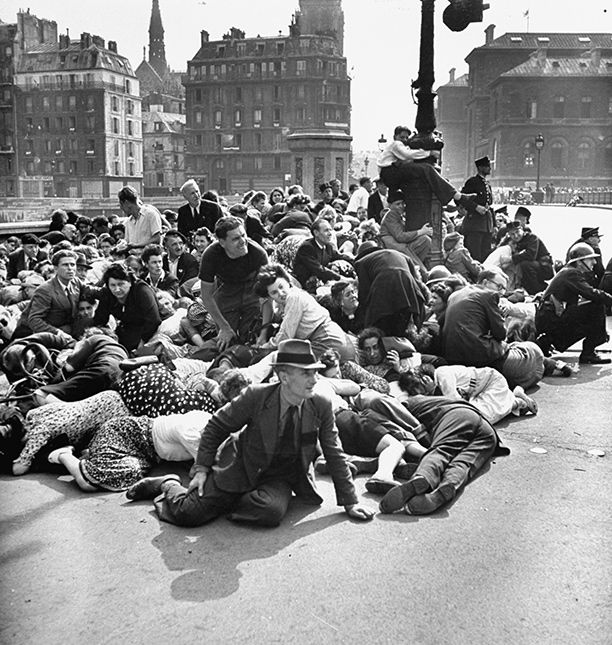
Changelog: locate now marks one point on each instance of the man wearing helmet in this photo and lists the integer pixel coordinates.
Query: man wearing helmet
(571, 309)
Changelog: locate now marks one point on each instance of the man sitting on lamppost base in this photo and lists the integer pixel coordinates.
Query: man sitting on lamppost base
(268, 437)
(397, 168)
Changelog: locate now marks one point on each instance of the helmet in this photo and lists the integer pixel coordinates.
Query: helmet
(439, 273)
(581, 251)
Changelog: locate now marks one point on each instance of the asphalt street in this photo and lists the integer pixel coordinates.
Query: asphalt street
(522, 556)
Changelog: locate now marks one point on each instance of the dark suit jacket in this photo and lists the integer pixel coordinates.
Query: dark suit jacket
(312, 260)
(473, 222)
(17, 262)
(186, 269)
(375, 206)
(245, 457)
(50, 309)
(209, 213)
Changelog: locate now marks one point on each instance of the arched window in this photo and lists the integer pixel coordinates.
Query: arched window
(557, 154)
(584, 156)
(585, 107)
(608, 156)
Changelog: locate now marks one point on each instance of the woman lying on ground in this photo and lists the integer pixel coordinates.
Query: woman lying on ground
(124, 449)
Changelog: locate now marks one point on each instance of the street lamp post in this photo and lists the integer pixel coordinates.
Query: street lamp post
(539, 144)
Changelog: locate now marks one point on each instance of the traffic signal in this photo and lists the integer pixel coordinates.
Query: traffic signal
(460, 13)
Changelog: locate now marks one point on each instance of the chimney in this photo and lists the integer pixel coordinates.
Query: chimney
(541, 57)
(489, 34)
(98, 42)
(64, 41)
(451, 74)
(85, 40)
(204, 35)
(595, 57)
(112, 46)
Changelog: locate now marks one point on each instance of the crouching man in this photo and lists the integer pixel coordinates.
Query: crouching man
(258, 469)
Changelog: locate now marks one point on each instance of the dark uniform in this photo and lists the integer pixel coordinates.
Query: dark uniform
(478, 229)
(572, 310)
(532, 256)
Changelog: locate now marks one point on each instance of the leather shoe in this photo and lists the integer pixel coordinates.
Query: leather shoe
(593, 359)
(397, 497)
(431, 502)
(149, 487)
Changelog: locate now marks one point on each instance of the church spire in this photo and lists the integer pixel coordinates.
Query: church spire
(157, 50)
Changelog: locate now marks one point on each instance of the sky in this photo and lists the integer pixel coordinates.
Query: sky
(381, 38)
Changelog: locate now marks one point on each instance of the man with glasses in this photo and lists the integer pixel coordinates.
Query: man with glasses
(474, 333)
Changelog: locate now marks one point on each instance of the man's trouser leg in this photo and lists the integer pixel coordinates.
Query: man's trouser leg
(531, 281)
(423, 172)
(452, 434)
(472, 458)
(265, 505)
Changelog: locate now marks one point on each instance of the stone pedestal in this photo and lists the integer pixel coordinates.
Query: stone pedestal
(318, 156)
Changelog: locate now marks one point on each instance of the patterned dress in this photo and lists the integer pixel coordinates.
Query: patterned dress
(154, 391)
(79, 420)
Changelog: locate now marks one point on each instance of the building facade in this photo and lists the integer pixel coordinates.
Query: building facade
(77, 117)
(521, 85)
(271, 111)
(163, 138)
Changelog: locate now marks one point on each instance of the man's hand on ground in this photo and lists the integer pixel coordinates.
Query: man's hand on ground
(358, 512)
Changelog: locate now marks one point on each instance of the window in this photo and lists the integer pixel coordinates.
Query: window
(117, 167)
(91, 146)
(72, 123)
(158, 125)
(90, 102)
(218, 95)
(114, 104)
(301, 92)
(301, 68)
(28, 104)
(73, 167)
(280, 49)
(585, 107)
(91, 168)
(131, 168)
(90, 123)
(608, 156)
(61, 166)
(532, 109)
(258, 95)
(219, 165)
(276, 115)
(30, 167)
(238, 95)
(238, 165)
(610, 105)
(116, 148)
(557, 150)
(130, 106)
(257, 163)
(584, 156)
(74, 145)
(260, 48)
(257, 141)
(528, 155)
(198, 139)
(277, 93)
(218, 141)
(277, 162)
(47, 145)
(257, 116)
(130, 127)
(238, 117)
(238, 140)
(72, 102)
(48, 168)
(220, 51)
(115, 122)
(218, 118)
(300, 115)
(241, 49)
(559, 107)
(46, 123)
(128, 87)
(46, 104)
(59, 123)
(130, 148)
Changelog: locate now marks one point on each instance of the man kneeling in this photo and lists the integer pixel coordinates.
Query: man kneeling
(257, 470)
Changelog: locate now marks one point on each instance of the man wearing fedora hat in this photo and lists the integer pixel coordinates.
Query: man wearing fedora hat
(572, 309)
(258, 450)
(26, 257)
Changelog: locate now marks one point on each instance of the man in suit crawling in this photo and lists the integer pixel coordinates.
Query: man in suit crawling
(270, 458)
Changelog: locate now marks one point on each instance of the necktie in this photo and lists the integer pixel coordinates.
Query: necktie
(290, 422)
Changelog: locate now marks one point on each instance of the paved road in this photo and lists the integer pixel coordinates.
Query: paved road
(523, 556)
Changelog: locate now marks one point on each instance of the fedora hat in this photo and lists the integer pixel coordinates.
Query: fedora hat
(81, 260)
(296, 353)
(590, 231)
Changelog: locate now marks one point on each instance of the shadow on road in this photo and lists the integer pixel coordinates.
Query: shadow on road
(209, 557)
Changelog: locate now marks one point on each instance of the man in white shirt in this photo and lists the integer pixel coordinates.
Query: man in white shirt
(397, 167)
(359, 199)
(144, 223)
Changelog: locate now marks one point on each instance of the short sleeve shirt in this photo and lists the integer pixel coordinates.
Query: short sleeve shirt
(138, 232)
(215, 263)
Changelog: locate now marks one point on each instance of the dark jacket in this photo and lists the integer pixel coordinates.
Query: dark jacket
(474, 331)
(17, 262)
(312, 260)
(244, 457)
(473, 222)
(137, 319)
(186, 268)
(210, 212)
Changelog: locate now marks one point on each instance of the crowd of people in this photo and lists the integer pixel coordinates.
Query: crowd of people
(283, 335)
